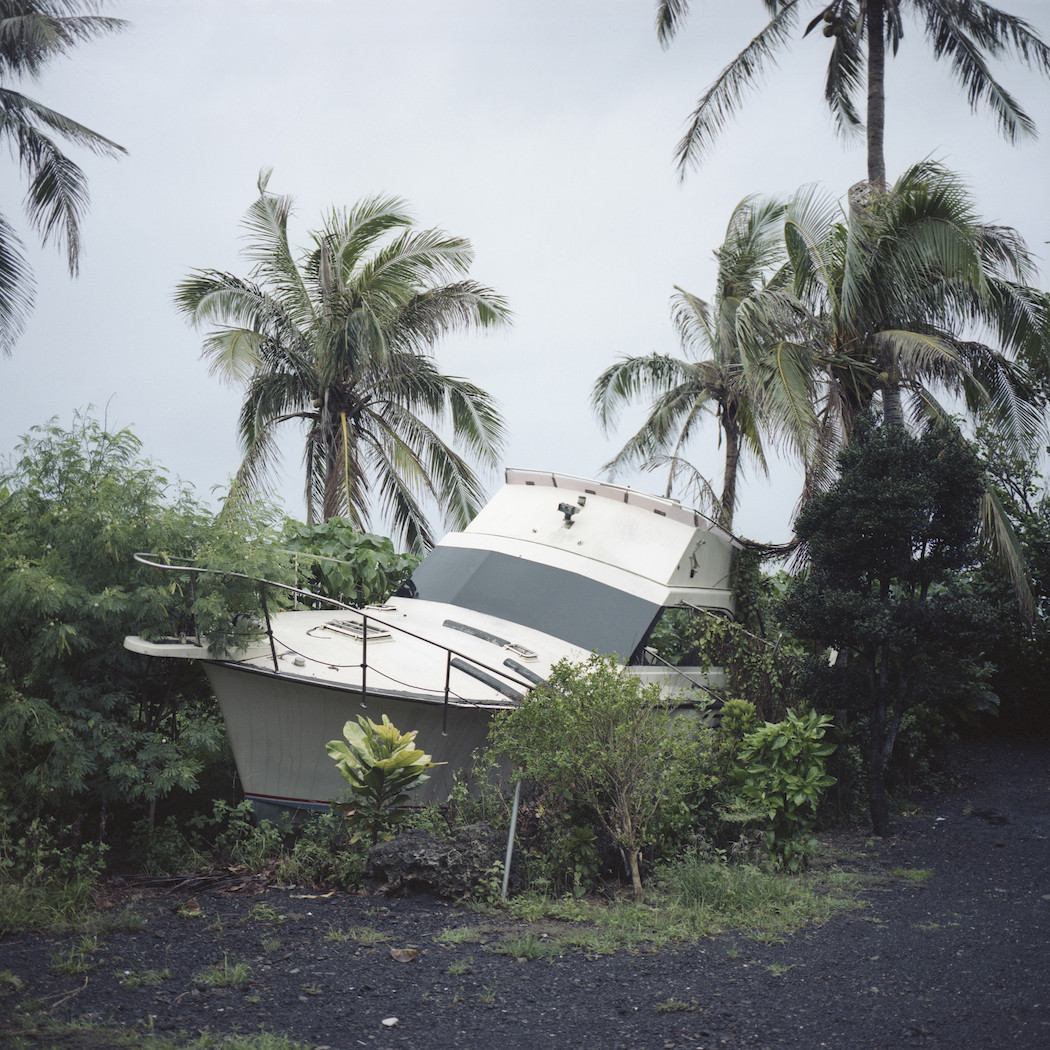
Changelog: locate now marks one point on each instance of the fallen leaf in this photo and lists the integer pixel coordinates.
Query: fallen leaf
(403, 955)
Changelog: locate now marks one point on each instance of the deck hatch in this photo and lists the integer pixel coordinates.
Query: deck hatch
(356, 629)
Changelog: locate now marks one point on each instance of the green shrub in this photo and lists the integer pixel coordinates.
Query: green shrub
(781, 770)
(323, 854)
(597, 736)
(46, 883)
(334, 559)
(91, 733)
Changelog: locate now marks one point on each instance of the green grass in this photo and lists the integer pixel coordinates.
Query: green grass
(114, 1037)
(356, 934)
(913, 874)
(264, 913)
(77, 959)
(10, 983)
(676, 1006)
(58, 906)
(529, 947)
(691, 901)
(225, 974)
(461, 935)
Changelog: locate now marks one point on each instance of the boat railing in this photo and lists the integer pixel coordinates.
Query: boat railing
(507, 684)
(651, 658)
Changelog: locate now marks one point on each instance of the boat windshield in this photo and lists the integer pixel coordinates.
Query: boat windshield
(564, 604)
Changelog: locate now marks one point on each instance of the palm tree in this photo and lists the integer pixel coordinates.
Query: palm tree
(911, 296)
(339, 340)
(964, 32)
(713, 376)
(899, 293)
(32, 32)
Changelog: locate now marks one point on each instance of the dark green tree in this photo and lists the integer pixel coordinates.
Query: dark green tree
(887, 591)
(32, 33)
(1020, 645)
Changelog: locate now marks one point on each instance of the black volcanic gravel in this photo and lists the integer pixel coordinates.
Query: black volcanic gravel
(958, 960)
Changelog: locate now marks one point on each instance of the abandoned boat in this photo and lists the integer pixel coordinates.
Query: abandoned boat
(553, 567)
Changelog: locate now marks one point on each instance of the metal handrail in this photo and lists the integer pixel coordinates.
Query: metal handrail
(654, 659)
(185, 565)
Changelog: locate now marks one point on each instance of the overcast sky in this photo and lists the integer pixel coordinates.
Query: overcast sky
(542, 130)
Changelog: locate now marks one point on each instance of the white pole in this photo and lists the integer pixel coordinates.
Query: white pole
(510, 840)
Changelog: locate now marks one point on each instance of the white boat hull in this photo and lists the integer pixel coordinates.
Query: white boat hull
(279, 728)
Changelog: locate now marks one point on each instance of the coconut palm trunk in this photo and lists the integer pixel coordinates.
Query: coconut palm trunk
(876, 122)
(731, 429)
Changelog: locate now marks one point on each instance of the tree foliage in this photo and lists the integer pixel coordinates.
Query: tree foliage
(594, 733)
(336, 560)
(712, 377)
(886, 592)
(86, 725)
(962, 33)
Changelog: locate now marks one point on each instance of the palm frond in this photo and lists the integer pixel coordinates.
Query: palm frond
(998, 535)
(16, 287)
(961, 32)
(723, 98)
(33, 32)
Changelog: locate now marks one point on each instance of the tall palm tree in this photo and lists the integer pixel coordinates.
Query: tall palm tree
(911, 293)
(713, 376)
(910, 296)
(964, 32)
(32, 32)
(340, 340)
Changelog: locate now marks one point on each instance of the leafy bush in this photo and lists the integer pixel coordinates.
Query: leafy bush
(84, 724)
(47, 882)
(382, 768)
(597, 736)
(781, 770)
(334, 559)
(323, 854)
(315, 849)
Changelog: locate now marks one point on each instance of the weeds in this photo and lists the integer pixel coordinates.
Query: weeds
(225, 974)
(114, 1037)
(913, 874)
(676, 1006)
(264, 913)
(528, 947)
(693, 899)
(77, 959)
(145, 978)
(10, 983)
(357, 934)
(460, 935)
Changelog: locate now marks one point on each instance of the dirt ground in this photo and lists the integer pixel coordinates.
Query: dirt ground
(958, 959)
